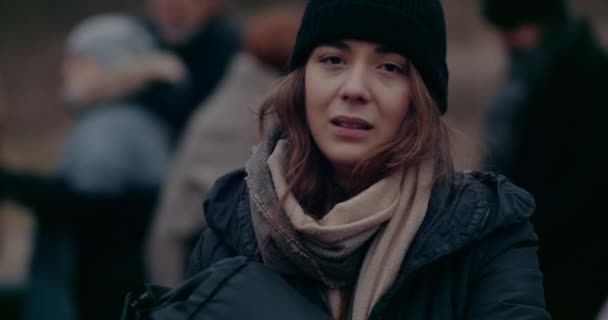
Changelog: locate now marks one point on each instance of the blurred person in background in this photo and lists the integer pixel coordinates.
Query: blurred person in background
(604, 313)
(204, 40)
(9, 294)
(218, 139)
(93, 212)
(546, 131)
(3, 106)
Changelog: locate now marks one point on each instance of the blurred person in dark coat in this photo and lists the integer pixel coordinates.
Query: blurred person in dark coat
(218, 138)
(546, 131)
(205, 41)
(92, 213)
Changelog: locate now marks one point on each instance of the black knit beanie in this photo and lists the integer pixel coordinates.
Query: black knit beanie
(415, 28)
(508, 14)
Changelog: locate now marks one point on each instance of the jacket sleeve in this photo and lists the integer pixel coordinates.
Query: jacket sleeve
(220, 240)
(508, 281)
(208, 250)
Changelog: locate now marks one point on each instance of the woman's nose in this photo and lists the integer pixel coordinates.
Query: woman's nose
(355, 88)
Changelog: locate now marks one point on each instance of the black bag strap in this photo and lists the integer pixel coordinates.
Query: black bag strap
(139, 301)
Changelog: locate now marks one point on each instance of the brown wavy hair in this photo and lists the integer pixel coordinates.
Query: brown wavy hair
(423, 136)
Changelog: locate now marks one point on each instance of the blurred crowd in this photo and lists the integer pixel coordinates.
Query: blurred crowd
(164, 104)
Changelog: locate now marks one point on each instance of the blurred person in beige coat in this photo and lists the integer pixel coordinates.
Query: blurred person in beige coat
(218, 138)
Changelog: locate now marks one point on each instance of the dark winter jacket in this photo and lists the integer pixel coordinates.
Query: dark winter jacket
(559, 154)
(474, 256)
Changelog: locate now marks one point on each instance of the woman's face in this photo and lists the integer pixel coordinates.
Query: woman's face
(357, 96)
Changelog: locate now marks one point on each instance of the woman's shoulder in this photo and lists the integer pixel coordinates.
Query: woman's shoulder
(227, 185)
(225, 196)
(502, 258)
(229, 232)
(227, 211)
(504, 201)
(470, 208)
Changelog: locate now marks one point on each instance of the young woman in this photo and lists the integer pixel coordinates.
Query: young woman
(352, 196)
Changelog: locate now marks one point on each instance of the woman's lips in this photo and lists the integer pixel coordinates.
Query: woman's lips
(351, 123)
(348, 127)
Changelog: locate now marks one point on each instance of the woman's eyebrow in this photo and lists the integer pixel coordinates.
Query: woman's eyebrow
(388, 50)
(385, 49)
(335, 44)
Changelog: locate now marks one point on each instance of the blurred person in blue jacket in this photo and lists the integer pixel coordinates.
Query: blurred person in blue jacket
(546, 131)
(92, 213)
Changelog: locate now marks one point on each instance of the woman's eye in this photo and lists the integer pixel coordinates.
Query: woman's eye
(332, 60)
(391, 67)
